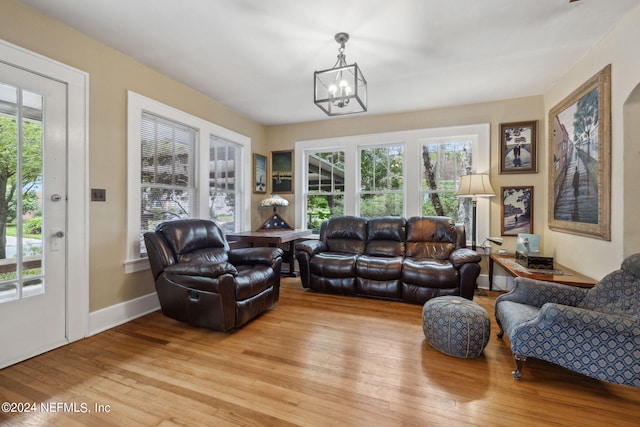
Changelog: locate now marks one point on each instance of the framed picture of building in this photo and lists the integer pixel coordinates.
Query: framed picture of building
(518, 147)
(282, 171)
(259, 173)
(516, 207)
(580, 160)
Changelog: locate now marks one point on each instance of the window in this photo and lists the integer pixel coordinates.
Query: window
(388, 174)
(166, 172)
(180, 166)
(443, 163)
(382, 181)
(325, 187)
(224, 193)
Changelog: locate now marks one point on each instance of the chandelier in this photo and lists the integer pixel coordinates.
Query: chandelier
(341, 89)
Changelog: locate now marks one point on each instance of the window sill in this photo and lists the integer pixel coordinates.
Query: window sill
(136, 265)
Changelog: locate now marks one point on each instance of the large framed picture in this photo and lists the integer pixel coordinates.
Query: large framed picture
(282, 171)
(259, 173)
(518, 147)
(516, 210)
(580, 160)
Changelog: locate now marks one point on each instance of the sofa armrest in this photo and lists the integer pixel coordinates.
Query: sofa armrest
(258, 255)
(312, 247)
(576, 319)
(462, 256)
(584, 319)
(201, 268)
(538, 292)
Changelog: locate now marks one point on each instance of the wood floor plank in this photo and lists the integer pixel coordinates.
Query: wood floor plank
(312, 360)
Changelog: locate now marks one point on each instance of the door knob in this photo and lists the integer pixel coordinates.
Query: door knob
(59, 234)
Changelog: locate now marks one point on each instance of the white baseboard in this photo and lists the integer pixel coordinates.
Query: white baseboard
(500, 283)
(117, 314)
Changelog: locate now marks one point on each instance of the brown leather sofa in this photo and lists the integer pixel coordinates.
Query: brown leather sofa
(411, 260)
(201, 281)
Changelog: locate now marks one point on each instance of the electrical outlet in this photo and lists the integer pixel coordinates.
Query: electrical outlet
(98, 195)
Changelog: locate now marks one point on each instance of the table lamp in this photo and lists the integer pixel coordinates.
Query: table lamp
(474, 186)
(275, 221)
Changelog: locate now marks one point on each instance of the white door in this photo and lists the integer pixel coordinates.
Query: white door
(33, 143)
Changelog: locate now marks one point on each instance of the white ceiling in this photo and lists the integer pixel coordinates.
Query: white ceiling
(258, 56)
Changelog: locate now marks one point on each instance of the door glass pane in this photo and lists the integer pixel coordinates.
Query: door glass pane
(21, 251)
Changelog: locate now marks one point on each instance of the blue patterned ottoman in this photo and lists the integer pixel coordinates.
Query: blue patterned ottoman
(456, 326)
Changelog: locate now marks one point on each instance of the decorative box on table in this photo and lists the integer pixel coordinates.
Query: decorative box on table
(534, 260)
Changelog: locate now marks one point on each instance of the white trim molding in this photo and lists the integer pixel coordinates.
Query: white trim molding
(118, 314)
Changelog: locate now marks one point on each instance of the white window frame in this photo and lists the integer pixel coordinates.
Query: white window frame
(359, 191)
(136, 104)
(479, 134)
(238, 187)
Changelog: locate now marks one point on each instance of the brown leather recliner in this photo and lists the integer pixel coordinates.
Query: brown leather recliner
(201, 281)
(412, 260)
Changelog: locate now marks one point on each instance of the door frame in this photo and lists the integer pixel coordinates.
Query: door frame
(77, 233)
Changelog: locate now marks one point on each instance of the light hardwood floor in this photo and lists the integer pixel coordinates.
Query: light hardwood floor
(313, 360)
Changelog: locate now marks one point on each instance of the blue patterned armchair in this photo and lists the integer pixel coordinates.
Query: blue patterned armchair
(595, 331)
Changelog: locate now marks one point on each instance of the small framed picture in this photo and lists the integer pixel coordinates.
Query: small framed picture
(518, 147)
(259, 173)
(282, 171)
(516, 210)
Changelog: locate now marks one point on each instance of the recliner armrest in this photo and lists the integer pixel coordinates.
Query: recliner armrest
(257, 255)
(461, 256)
(201, 268)
(312, 247)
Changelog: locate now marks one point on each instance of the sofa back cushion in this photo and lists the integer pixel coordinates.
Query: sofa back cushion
(195, 240)
(618, 292)
(346, 234)
(430, 237)
(386, 237)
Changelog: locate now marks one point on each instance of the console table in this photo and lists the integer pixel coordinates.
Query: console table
(559, 274)
(273, 238)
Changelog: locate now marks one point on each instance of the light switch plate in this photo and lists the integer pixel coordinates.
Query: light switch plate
(98, 195)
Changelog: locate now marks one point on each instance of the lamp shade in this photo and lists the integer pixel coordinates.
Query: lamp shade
(274, 200)
(475, 185)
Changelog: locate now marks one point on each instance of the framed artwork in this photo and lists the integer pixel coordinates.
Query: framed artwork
(259, 173)
(516, 210)
(282, 171)
(518, 147)
(580, 160)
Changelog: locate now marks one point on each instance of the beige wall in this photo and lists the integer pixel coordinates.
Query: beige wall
(111, 74)
(596, 257)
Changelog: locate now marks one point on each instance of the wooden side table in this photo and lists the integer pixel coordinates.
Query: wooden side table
(273, 238)
(565, 275)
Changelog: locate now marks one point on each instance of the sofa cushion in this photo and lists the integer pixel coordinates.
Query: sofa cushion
(346, 234)
(430, 237)
(431, 273)
(379, 268)
(386, 236)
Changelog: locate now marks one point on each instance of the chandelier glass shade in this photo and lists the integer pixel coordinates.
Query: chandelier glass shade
(341, 89)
